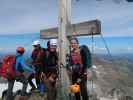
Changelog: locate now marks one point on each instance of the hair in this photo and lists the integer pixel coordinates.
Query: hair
(20, 52)
(48, 43)
(74, 38)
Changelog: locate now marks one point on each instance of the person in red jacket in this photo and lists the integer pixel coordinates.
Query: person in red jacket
(38, 62)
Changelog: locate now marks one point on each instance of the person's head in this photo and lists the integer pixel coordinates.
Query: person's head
(36, 44)
(20, 50)
(74, 43)
(53, 45)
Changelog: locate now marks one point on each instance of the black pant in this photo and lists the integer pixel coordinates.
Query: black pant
(24, 81)
(21, 79)
(9, 95)
(51, 86)
(39, 70)
(30, 81)
(83, 86)
(51, 91)
(51, 70)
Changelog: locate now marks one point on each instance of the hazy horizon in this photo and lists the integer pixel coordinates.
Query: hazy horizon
(116, 45)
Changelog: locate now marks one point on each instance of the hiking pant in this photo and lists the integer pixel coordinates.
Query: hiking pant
(21, 79)
(51, 91)
(83, 86)
(9, 95)
(30, 81)
(24, 81)
(51, 70)
(51, 86)
(39, 70)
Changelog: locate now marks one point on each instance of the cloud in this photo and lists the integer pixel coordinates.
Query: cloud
(114, 17)
(97, 49)
(1, 49)
(129, 48)
(7, 49)
(28, 16)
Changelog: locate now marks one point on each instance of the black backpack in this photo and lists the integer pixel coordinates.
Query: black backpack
(86, 56)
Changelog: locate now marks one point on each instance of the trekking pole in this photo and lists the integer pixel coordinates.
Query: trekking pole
(92, 38)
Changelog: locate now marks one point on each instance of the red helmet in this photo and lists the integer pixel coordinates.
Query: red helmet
(20, 49)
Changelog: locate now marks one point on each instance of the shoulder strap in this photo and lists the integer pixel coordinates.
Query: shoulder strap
(39, 54)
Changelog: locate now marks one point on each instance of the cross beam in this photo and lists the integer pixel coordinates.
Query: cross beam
(78, 29)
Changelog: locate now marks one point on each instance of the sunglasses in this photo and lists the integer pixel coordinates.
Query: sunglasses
(35, 46)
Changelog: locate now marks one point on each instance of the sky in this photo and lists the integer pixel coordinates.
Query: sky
(21, 21)
(116, 45)
(29, 16)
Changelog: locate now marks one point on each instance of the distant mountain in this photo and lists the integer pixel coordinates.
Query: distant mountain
(115, 73)
(110, 76)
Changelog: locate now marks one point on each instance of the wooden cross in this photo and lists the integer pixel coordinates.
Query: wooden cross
(64, 30)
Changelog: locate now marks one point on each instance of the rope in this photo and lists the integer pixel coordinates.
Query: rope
(107, 48)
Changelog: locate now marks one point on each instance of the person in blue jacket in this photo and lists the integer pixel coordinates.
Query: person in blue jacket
(21, 68)
(20, 62)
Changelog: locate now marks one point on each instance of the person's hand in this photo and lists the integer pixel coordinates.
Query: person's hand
(85, 74)
(69, 72)
(43, 74)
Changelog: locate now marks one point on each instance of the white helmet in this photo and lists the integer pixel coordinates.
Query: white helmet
(37, 42)
(53, 41)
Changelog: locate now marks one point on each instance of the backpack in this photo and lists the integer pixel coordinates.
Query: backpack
(7, 69)
(86, 56)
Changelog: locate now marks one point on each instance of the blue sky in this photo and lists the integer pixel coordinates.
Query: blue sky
(27, 17)
(117, 45)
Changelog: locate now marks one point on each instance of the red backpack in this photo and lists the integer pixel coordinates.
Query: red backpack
(7, 70)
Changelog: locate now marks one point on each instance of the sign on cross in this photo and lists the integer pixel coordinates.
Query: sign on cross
(79, 29)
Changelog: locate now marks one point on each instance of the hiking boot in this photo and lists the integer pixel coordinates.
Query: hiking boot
(35, 90)
(42, 94)
(32, 89)
(25, 94)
